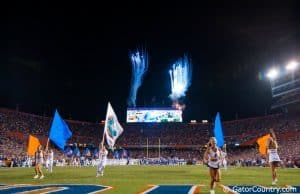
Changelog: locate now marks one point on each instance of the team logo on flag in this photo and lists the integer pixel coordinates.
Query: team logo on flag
(112, 132)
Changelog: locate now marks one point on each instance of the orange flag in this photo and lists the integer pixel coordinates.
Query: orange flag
(33, 144)
(262, 142)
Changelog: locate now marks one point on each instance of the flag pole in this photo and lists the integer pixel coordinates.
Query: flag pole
(273, 133)
(105, 125)
(49, 126)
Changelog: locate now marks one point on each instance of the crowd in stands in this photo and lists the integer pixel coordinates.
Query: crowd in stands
(152, 140)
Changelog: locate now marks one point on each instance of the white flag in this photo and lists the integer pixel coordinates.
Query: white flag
(112, 127)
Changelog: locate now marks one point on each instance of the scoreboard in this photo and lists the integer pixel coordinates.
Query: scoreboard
(154, 115)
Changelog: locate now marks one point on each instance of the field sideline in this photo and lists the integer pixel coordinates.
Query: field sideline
(132, 179)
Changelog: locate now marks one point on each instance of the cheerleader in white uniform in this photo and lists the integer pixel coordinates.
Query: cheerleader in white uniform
(224, 155)
(213, 158)
(272, 156)
(102, 161)
(39, 161)
(49, 161)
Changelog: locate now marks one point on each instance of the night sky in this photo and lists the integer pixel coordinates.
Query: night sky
(74, 57)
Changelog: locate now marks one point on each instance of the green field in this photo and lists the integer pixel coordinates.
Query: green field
(131, 179)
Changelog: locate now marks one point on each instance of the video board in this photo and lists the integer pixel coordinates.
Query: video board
(153, 115)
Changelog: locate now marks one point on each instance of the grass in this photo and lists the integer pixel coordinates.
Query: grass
(131, 179)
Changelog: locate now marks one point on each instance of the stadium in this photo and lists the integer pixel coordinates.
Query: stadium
(151, 99)
(163, 146)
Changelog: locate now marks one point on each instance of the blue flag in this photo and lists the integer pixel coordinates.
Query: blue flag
(77, 152)
(124, 153)
(59, 131)
(96, 151)
(68, 152)
(87, 152)
(116, 154)
(218, 132)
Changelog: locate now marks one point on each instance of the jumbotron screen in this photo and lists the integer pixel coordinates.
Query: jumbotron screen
(153, 115)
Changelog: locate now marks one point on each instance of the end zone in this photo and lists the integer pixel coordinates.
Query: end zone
(184, 189)
(51, 188)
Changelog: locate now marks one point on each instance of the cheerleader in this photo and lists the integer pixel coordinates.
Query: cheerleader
(39, 161)
(49, 161)
(272, 156)
(213, 158)
(224, 155)
(102, 161)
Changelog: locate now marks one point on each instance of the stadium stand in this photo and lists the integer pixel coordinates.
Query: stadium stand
(166, 141)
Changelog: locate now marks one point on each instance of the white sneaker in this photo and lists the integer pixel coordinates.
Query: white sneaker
(42, 177)
(36, 176)
(276, 180)
(273, 182)
(212, 191)
(97, 175)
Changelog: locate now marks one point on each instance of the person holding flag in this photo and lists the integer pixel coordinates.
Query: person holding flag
(35, 149)
(272, 155)
(112, 130)
(224, 155)
(49, 161)
(39, 161)
(213, 159)
(102, 160)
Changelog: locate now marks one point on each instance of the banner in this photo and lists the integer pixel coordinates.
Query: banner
(112, 127)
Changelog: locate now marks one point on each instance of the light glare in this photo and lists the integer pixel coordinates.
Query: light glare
(272, 74)
(291, 66)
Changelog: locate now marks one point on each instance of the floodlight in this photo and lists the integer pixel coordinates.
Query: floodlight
(273, 74)
(292, 66)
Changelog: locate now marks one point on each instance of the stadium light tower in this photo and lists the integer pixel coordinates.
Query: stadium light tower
(273, 74)
(285, 85)
(292, 66)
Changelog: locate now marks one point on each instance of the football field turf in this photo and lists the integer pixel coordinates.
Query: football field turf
(134, 179)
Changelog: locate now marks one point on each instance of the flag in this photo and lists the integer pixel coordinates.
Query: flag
(59, 131)
(262, 143)
(87, 152)
(96, 151)
(218, 132)
(124, 153)
(112, 127)
(33, 145)
(69, 152)
(76, 152)
(116, 154)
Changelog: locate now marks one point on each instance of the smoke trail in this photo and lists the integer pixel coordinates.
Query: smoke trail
(139, 63)
(181, 76)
